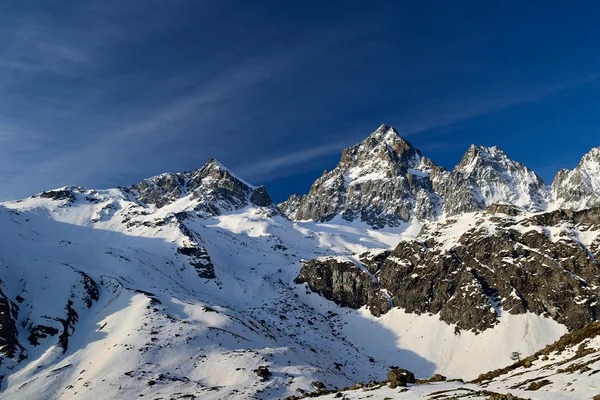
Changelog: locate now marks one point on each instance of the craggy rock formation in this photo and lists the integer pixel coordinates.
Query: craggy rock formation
(579, 188)
(213, 190)
(9, 335)
(385, 181)
(382, 181)
(486, 176)
(340, 280)
(472, 269)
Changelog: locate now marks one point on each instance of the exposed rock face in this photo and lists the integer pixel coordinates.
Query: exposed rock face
(10, 348)
(60, 194)
(579, 188)
(378, 181)
(469, 276)
(199, 259)
(212, 188)
(84, 293)
(486, 176)
(197, 255)
(385, 180)
(290, 206)
(342, 281)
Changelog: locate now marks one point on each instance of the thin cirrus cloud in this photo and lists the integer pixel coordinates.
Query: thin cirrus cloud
(119, 142)
(446, 115)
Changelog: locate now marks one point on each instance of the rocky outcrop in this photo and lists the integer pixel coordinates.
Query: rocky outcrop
(400, 377)
(342, 281)
(196, 254)
(212, 189)
(68, 194)
(502, 261)
(10, 348)
(199, 259)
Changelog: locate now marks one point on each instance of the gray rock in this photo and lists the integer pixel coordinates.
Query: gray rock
(343, 282)
(213, 186)
(377, 181)
(504, 263)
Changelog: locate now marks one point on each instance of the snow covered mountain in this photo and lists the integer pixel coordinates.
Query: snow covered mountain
(385, 181)
(380, 181)
(579, 188)
(210, 190)
(486, 176)
(196, 284)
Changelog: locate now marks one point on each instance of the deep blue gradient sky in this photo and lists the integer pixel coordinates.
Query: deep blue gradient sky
(106, 93)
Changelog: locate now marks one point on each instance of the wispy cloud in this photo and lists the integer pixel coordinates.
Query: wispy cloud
(190, 106)
(269, 166)
(484, 104)
(447, 115)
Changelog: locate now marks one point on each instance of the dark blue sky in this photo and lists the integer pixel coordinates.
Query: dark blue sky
(106, 93)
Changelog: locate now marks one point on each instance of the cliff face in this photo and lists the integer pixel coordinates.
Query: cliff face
(471, 269)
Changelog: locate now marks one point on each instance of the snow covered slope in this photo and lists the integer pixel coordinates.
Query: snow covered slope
(566, 369)
(102, 294)
(107, 295)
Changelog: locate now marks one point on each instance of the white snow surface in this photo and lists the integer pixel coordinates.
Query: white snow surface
(159, 330)
(564, 375)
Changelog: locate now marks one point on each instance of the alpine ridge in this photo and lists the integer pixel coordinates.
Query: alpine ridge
(385, 180)
(195, 285)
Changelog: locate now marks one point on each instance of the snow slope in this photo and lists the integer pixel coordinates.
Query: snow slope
(567, 369)
(119, 311)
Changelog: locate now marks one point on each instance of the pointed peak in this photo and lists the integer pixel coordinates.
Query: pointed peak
(388, 135)
(212, 165)
(592, 155)
(483, 153)
(383, 128)
(486, 150)
(385, 131)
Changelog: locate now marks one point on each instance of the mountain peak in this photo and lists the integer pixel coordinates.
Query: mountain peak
(486, 175)
(221, 171)
(478, 156)
(365, 182)
(591, 157)
(579, 188)
(385, 129)
(211, 190)
(388, 135)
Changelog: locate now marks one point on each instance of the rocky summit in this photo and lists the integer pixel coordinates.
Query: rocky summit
(195, 285)
(386, 181)
(213, 189)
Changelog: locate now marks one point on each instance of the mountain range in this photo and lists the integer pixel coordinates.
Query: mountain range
(196, 285)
